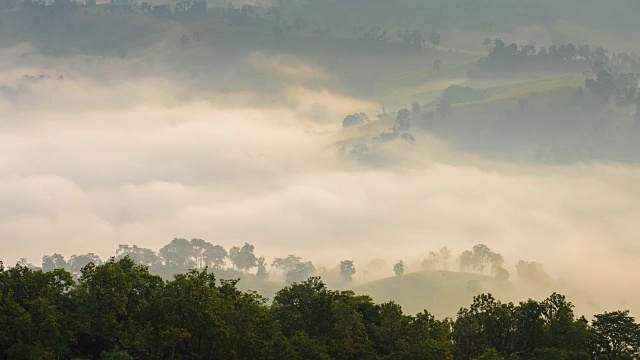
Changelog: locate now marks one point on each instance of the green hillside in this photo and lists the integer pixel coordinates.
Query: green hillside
(441, 292)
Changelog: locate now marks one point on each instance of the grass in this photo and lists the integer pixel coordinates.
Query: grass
(440, 292)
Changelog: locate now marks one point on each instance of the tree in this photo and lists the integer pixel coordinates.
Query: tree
(585, 52)
(305, 306)
(55, 261)
(243, 258)
(602, 85)
(443, 108)
(355, 119)
(532, 272)
(295, 269)
(557, 313)
(478, 259)
(359, 152)
(184, 39)
(481, 257)
(490, 354)
(393, 327)
(262, 273)
(347, 270)
(445, 255)
(178, 256)
(109, 299)
(488, 42)
(398, 268)
(408, 137)
(434, 38)
(617, 335)
(530, 326)
(198, 249)
(466, 260)
(432, 262)
(214, 256)
(501, 274)
(466, 334)
(300, 272)
(403, 121)
(437, 64)
(137, 254)
(77, 262)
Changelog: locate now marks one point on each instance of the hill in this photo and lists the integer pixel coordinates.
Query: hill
(441, 292)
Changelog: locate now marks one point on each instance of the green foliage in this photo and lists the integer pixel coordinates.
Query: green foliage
(490, 354)
(511, 59)
(617, 335)
(118, 310)
(549, 354)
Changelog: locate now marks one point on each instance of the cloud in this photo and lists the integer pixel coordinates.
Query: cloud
(86, 166)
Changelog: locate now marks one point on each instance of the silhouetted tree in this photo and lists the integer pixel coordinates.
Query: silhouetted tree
(347, 270)
(398, 268)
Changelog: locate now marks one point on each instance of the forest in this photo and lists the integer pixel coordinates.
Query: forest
(118, 310)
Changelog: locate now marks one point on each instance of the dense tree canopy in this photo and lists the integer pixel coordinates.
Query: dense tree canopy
(120, 310)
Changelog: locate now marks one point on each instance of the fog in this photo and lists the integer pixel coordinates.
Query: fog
(88, 163)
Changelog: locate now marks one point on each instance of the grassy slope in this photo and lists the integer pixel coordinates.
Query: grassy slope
(440, 292)
(443, 293)
(505, 97)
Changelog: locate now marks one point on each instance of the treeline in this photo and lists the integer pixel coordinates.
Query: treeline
(183, 7)
(179, 256)
(513, 58)
(119, 310)
(182, 255)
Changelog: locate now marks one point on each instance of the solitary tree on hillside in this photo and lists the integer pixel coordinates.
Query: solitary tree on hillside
(398, 268)
(262, 274)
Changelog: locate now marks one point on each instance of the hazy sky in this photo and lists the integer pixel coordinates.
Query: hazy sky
(86, 165)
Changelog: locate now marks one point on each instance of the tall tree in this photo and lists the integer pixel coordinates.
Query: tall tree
(617, 335)
(243, 258)
(347, 270)
(398, 268)
(178, 256)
